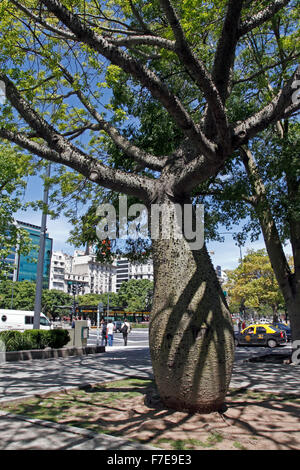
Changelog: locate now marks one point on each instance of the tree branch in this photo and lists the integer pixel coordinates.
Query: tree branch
(198, 72)
(144, 40)
(60, 150)
(38, 19)
(224, 58)
(145, 76)
(147, 159)
(262, 16)
(283, 105)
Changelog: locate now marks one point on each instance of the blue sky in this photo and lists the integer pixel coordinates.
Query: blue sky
(225, 254)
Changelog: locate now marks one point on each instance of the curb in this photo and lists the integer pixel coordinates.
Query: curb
(14, 356)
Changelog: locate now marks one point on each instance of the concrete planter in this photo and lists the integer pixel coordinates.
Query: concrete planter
(12, 356)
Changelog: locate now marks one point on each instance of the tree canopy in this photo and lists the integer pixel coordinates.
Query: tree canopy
(253, 283)
(75, 72)
(136, 294)
(14, 168)
(21, 296)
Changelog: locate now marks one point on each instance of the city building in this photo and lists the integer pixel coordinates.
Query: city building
(25, 266)
(99, 276)
(60, 264)
(141, 270)
(122, 272)
(81, 269)
(221, 275)
(125, 271)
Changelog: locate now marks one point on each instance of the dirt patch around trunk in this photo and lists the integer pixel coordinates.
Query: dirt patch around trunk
(132, 409)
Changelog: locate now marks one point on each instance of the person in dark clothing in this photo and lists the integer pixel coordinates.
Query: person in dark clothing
(104, 334)
(125, 329)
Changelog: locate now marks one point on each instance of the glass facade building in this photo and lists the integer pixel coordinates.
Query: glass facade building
(27, 265)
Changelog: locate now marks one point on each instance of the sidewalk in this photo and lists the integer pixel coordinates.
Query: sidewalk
(40, 377)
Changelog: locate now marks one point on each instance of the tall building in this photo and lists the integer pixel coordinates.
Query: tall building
(125, 271)
(221, 275)
(25, 266)
(60, 264)
(122, 272)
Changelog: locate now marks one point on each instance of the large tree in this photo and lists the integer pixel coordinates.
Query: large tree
(58, 58)
(262, 177)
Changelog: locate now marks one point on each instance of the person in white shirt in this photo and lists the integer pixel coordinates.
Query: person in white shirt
(110, 332)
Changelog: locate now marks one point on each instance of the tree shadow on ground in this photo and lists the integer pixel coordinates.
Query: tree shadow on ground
(144, 417)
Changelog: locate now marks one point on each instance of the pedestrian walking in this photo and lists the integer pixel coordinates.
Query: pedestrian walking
(243, 325)
(239, 325)
(125, 329)
(104, 334)
(110, 332)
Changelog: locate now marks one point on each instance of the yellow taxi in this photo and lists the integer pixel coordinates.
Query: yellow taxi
(260, 335)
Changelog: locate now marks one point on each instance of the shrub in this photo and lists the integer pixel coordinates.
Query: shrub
(58, 338)
(34, 339)
(13, 340)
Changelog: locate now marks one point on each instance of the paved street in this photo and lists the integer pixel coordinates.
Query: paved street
(137, 338)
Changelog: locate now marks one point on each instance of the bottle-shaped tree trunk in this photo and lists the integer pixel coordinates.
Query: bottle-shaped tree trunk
(191, 332)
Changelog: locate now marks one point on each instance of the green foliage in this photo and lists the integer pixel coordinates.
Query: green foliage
(21, 296)
(53, 299)
(264, 59)
(13, 340)
(95, 299)
(57, 338)
(37, 339)
(34, 339)
(253, 282)
(135, 294)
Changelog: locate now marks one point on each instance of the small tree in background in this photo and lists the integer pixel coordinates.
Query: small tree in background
(253, 283)
(134, 294)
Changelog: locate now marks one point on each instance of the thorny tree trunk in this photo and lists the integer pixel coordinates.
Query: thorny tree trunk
(191, 333)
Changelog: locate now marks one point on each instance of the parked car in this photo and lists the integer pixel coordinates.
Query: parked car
(285, 328)
(260, 335)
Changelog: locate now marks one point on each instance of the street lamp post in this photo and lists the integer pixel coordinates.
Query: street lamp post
(99, 310)
(40, 265)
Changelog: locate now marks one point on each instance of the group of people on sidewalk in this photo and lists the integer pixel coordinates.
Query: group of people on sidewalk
(108, 329)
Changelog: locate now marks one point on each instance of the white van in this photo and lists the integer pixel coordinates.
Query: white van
(21, 320)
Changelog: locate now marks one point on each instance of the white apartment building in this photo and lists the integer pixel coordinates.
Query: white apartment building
(60, 264)
(141, 270)
(100, 277)
(82, 268)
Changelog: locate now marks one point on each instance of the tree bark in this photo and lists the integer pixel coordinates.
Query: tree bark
(287, 281)
(191, 333)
